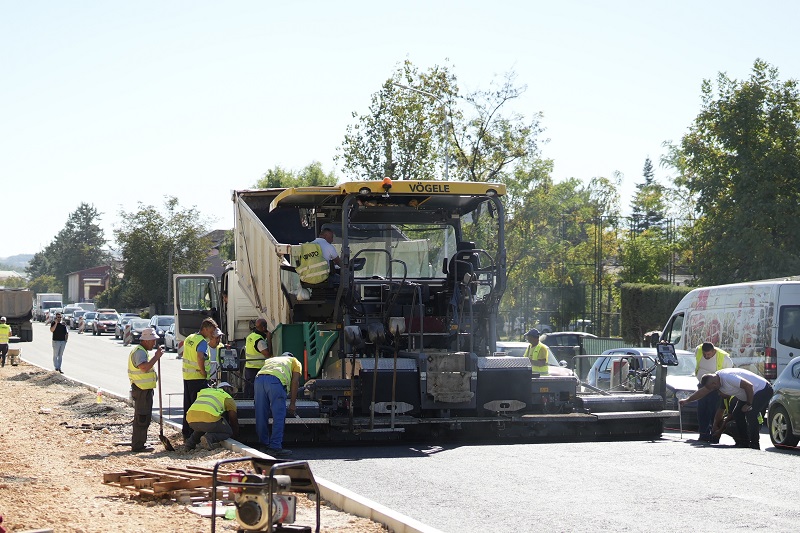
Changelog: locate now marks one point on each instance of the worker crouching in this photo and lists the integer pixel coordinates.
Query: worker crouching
(207, 417)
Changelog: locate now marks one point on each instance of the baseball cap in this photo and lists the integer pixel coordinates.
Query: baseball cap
(288, 354)
(532, 333)
(217, 333)
(224, 384)
(2, 318)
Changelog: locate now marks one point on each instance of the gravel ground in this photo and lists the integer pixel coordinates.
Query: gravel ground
(58, 440)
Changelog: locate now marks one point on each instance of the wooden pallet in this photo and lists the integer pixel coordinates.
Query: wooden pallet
(191, 483)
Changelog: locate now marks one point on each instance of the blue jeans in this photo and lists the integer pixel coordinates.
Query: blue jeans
(706, 409)
(270, 399)
(58, 353)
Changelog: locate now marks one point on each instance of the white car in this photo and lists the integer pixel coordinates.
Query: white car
(517, 349)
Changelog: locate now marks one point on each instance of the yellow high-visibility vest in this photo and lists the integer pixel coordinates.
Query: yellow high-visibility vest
(533, 353)
(721, 355)
(143, 380)
(210, 401)
(254, 358)
(5, 333)
(310, 264)
(190, 370)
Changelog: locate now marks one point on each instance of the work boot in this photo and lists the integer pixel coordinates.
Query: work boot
(278, 452)
(208, 445)
(143, 449)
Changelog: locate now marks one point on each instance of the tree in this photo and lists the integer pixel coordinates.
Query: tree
(648, 205)
(405, 132)
(310, 176)
(45, 283)
(415, 129)
(78, 245)
(154, 240)
(740, 160)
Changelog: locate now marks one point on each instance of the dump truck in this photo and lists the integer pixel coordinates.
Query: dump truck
(400, 340)
(17, 306)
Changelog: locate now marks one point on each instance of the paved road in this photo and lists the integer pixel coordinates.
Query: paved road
(101, 361)
(670, 484)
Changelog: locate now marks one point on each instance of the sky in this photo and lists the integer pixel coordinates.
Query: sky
(113, 103)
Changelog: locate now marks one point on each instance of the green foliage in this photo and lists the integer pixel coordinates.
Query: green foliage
(647, 308)
(740, 160)
(45, 283)
(78, 245)
(310, 176)
(649, 201)
(151, 242)
(14, 282)
(415, 130)
(644, 257)
(406, 131)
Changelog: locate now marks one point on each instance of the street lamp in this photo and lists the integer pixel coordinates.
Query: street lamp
(444, 113)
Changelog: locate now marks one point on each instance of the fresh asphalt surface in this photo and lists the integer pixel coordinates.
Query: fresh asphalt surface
(669, 484)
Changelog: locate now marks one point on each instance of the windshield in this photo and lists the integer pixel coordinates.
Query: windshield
(107, 316)
(410, 250)
(686, 366)
(165, 320)
(138, 323)
(90, 315)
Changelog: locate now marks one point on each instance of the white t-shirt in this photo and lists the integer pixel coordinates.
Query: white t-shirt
(328, 250)
(709, 366)
(730, 378)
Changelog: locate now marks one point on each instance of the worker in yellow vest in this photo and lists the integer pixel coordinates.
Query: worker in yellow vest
(195, 378)
(207, 417)
(5, 334)
(256, 350)
(276, 376)
(143, 380)
(213, 359)
(537, 353)
(709, 359)
(312, 260)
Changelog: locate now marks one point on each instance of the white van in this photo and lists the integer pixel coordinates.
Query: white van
(757, 323)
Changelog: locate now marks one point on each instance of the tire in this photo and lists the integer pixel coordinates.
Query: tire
(780, 427)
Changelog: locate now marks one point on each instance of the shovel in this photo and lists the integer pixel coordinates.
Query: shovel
(164, 440)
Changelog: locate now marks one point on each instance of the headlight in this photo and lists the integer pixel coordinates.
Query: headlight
(683, 394)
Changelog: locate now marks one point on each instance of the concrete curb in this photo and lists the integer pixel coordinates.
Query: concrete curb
(340, 497)
(349, 501)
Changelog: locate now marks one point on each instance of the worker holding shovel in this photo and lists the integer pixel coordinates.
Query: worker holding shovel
(143, 380)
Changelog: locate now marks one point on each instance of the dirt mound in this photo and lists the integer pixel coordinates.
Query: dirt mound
(62, 442)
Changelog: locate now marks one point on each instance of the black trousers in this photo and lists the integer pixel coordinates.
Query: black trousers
(190, 389)
(747, 423)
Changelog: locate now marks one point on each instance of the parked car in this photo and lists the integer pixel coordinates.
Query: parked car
(119, 328)
(51, 314)
(104, 323)
(681, 379)
(88, 320)
(565, 345)
(75, 318)
(784, 407)
(517, 349)
(136, 326)
(170, 341)
(66, 314)
(160, 323)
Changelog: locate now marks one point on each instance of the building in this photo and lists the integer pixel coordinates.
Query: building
(85, 285)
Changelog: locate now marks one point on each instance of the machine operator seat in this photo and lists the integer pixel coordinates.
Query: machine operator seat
(465, 261)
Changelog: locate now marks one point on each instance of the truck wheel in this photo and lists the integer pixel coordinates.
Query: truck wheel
(780, 427)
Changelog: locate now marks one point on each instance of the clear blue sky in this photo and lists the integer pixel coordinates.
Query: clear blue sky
(114, 103)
